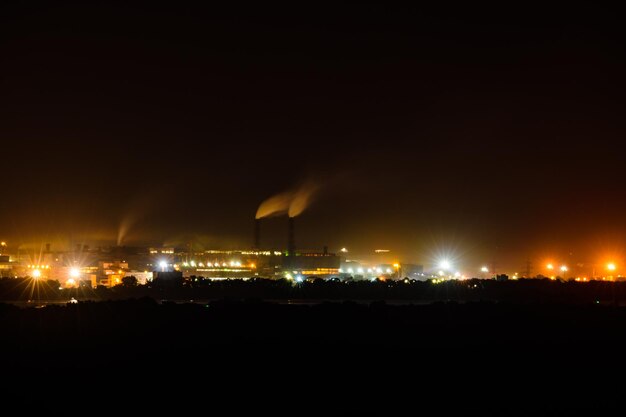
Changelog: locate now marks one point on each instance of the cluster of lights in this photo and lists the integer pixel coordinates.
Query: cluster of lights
(297, 277)
(563, 268)
(193, 264)
(368, 270)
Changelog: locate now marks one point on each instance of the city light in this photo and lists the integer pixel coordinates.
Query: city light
(36, 273)
(444, 264)
(74, 273)
(71, 282)
(344, 250)
(484, 269)
(163, 265)
(563, 268)
(611, 266)
(550, 266)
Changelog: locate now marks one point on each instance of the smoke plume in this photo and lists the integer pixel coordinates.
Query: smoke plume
(276, 205)
(292, 203)
(302, 198)
(136, 211)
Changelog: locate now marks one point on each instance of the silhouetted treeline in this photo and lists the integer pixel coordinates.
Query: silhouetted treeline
(198, 288)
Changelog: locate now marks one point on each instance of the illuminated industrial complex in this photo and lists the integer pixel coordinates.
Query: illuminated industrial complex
(85, 266)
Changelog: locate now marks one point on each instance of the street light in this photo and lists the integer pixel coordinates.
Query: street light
(611, 267)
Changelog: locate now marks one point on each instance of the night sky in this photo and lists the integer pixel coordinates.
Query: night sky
(483, 133)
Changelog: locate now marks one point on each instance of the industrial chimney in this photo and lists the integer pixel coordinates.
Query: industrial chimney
(257, 234)
(291, 242)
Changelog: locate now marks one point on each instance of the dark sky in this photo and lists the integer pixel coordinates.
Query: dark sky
(487, 133)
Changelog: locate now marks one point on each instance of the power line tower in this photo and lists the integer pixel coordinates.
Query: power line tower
(529, 268)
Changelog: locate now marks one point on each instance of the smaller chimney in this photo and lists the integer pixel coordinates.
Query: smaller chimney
(291, 242)
(257, 233)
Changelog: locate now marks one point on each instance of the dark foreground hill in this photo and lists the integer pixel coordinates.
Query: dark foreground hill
(343, 357)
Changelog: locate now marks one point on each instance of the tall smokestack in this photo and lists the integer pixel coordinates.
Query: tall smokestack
(257, 233)
(291, 242)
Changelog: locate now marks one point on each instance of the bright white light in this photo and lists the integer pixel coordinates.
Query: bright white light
(444, 264)
(369, 270)
(341, 270)
(237, 263)
(201, 264)
(440, 273)
(611, 267)
(388, 270)
(298, 278)
(563, 268)
(36, 273)
(379, 271)
(74, 273)
(350, 270)
(457, 274)
(484, 269)
(71, 281)
(344, 250)
(360, 270)
(193, 263)
(185, 263)
(163, 264)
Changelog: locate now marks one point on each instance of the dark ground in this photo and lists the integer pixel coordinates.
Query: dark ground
(334, 358)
